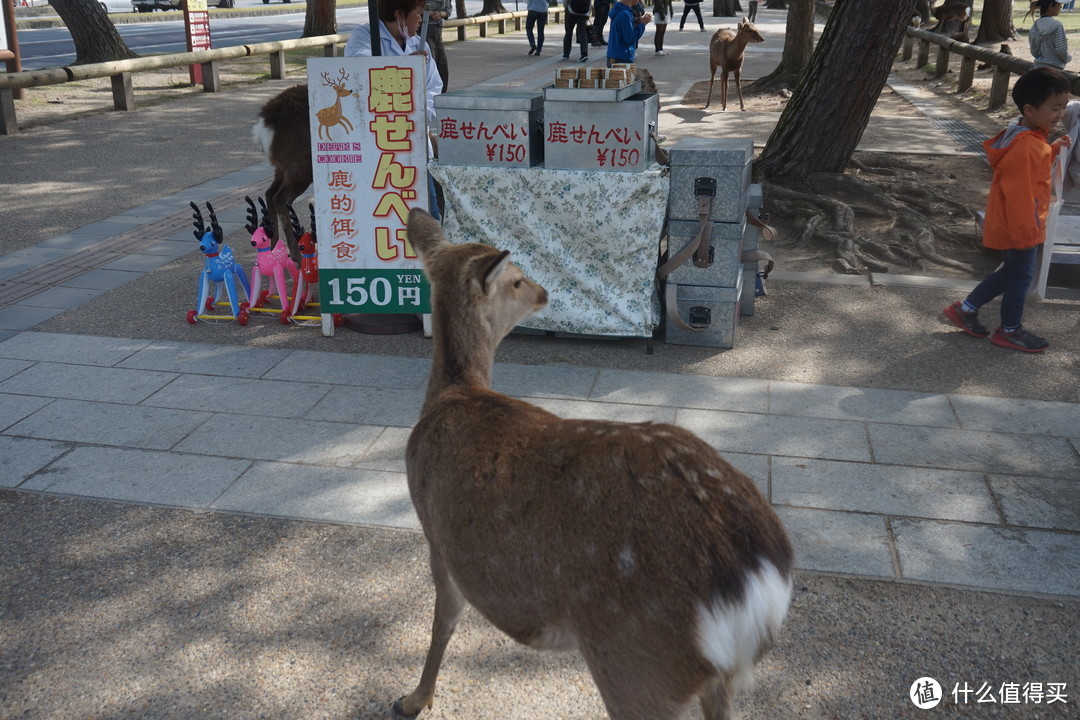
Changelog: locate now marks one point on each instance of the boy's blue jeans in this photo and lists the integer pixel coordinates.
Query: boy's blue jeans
(1011, 281)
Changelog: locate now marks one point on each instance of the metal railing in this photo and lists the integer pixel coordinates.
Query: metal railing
(120, 72)
(1005, 66)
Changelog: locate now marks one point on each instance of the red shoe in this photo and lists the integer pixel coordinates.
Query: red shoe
(968, 322)
(1020, 339)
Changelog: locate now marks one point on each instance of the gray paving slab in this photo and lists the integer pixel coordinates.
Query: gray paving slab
(281, 439)
(24, 317)
(61, 297)
(387, 452)
(883, 489)
(978, 450)
(87, 382)
(205, 359)
(14, 408)
(79, 349)
(161, 478)
(21, 457)
(755, 467)
(106, 228)
(369, 406)
(10, 367)
(70, 241)
(376, 371)
(98, 423)
(1017, 415)
(778, 434)
(618, 412)
(369, 497)
(839, 542)
(987, 556)
(170, 248)
(26, 258)
(275, 402)
(138, 262)
(101, 279)
(686, 391)
(1039, 502)
(552, 381)
(848, 403)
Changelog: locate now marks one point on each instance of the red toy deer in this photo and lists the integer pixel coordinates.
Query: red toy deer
(726, 51)
(634, 543)
(308, 277)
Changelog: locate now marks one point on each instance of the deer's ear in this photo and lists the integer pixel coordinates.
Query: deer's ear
(493, 270)
(425, 232)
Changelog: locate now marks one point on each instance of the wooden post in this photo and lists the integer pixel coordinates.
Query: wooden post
(942, 61)
(999, 88)
(483, 29)
(502, 26)
(8, 125)
(967, 74)
(277, 65)
(123, 94)
(924, 53)
(211, 77)
(330, 50)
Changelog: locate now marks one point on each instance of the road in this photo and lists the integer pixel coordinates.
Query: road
(53, 47)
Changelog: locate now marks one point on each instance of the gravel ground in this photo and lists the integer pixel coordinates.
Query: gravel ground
(118, 611)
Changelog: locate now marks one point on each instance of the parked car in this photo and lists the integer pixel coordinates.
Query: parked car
(116, 6)
(151, 5)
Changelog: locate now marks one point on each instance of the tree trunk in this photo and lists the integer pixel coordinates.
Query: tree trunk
(320, 18)
(798, 47)
(492, 7)
(775, 5)
(995, 24)
(93, 33)
(825, 119)
(459, 9)
(726, 8)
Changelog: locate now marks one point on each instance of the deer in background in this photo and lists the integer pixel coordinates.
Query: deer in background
(330, 117)
(633, 543)
(726, 51)
(284, 134)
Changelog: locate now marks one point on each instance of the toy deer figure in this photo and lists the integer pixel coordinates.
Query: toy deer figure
(272, 263)
(220, 268)
(635, 544)
(330, 117)
(308, 277)
(726, 51)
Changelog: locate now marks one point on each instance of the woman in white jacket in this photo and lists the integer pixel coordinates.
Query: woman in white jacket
(1046, 38)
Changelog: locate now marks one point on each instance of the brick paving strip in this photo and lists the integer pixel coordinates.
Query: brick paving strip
(49, 274)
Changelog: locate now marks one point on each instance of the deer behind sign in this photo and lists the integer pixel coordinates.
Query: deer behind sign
(635, 544)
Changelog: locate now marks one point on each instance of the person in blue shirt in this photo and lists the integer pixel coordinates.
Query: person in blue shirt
(626, 30)
(537, 17)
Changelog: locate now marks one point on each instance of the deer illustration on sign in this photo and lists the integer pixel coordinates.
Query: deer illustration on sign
(330, 117)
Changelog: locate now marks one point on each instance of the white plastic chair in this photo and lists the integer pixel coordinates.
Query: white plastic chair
(1062, 232)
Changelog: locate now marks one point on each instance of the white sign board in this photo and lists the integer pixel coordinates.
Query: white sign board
(369, 168)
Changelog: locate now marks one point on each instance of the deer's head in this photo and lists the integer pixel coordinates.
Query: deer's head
(748, 32)
(339, 84)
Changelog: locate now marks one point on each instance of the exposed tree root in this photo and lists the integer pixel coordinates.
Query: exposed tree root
(894, 208)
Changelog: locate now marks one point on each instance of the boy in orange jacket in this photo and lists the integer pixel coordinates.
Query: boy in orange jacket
(1021, 156)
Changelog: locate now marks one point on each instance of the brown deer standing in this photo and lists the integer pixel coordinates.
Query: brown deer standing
(284, 134)
(636, 544)
(726, 51)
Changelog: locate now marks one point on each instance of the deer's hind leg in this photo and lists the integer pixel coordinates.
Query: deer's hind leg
(716, 699)
(449, 602)
(723, 88)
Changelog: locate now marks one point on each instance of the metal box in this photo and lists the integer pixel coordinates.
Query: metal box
(727, 160)
(607, 136)
(750, 242)
(492, 128)
(592, 94)
(726, 254)
(717, 308)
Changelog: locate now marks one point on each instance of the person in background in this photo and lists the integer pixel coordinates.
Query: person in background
(752, 16)
(601, 8)
(663, 11)
(1046, 38)
(577, 20)
(694, 5)
(538, 17)
(399, 28)
(627, 27)
(438, 11)
(1016, 209)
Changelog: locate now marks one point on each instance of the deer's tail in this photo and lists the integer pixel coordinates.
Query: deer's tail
(263, 136)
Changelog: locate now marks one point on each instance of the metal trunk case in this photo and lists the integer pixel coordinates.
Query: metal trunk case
(726, 254)
(491, 128)
(606, 136)
(717, 308)
(727, 160)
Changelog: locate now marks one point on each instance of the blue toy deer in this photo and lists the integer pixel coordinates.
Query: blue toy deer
(221, 269)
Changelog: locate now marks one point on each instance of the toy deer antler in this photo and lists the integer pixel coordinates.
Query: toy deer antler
(297, 228)
(197, 220)
(252, 216)
(311, 209)
(219, 234)
(267, 223)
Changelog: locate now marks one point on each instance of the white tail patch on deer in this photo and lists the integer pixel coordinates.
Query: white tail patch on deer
(634, 543)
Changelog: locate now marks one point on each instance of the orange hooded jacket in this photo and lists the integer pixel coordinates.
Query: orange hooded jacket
(1020, 191)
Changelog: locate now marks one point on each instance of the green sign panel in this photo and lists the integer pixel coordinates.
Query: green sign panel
(373, 291)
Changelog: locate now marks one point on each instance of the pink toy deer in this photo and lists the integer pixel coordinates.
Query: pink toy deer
(308, 277)
(634, 543)
(726, 51)
(271, 263)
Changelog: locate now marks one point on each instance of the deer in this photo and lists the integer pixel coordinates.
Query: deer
(330, 117)
(727, 49)
(635, 544)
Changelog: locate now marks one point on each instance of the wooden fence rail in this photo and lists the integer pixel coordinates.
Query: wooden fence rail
(120, 72)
